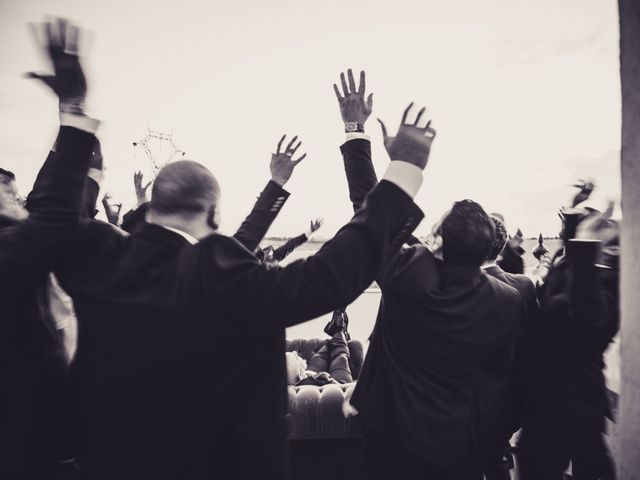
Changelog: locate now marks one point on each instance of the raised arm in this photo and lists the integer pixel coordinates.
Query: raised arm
(56, 202)
(271, 297)
(594, 291)
(272, 198)
(356, 151)
(285, 249)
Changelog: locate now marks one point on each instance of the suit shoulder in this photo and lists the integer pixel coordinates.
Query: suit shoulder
(502, 288)
(221, 246)
(98, 228)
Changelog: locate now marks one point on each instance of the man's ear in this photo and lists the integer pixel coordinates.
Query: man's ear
(212, 219)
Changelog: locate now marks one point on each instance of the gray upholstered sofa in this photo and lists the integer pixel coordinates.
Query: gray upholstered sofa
(323, 443)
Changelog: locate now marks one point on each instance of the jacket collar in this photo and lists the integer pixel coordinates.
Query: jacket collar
(459, 275)
(493, 269)
(158, 233)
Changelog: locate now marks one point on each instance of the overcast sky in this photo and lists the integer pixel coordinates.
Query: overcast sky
(524, 94)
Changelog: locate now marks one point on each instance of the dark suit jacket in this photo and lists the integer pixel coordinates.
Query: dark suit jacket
(506, 375)
(170, 332)
(438, 324)
(32, 360)
(579, 318)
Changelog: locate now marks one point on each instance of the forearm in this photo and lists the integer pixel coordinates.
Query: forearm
(263, 214)
(58, 198)
(347, 264)
(285, 249)
(361, 176)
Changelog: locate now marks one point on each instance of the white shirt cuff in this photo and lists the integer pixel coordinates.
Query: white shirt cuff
(96, 175)
(81, 122)
(358, 136)
(404, 175)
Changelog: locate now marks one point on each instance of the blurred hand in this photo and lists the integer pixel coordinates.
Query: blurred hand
(141, 191)
(283, 164)
(59, 39)
(111, 211)
(314, 225)
(515, 241)
(586, 187)
(353, 107)
(349, 410)
(412, 143)
(599, 226)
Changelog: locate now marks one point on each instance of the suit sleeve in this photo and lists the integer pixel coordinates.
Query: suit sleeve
(594, 291)
(91, 188)
(277, 297)
(264, 212)
(56, 201)
(135, 218)
(361, 176)
(283, 251)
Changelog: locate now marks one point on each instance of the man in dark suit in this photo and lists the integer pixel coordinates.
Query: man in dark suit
(578, 320)
(175, 317)
(32, 357)
(505, 376)
(440, 319)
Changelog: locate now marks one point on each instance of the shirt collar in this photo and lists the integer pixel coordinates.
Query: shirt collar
(189, 238)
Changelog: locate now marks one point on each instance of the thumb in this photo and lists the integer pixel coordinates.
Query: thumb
(47, 79)
(370, 100)
(384, 129)
(609, 211)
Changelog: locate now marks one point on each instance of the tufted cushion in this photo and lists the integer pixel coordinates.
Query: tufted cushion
(307, 347)
(316, 412)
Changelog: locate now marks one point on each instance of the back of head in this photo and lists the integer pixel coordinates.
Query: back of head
(467, 235)
(500, 238)
(184, 189)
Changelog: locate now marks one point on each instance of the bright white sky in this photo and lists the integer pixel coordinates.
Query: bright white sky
(524, 95)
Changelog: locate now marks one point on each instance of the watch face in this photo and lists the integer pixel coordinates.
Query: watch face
(351, 126)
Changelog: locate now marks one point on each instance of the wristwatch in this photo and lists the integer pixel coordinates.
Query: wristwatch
(350, 127)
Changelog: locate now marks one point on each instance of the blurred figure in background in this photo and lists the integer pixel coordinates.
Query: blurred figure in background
(33, 361)
(579, 319)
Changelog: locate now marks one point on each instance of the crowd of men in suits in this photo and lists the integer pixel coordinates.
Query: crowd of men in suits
(174, 316)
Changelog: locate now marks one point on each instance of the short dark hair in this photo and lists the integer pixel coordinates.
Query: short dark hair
(467, 234)
(183, 188)
(499, 239)
(6, 176)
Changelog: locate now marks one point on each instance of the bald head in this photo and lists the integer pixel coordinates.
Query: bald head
(184, 189)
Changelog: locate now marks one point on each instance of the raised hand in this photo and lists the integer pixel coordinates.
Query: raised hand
(412, 143)
(59, 39)
(111, 211)
(141, 191)
(314, 225)
(599, 226)
(282, 163)
(586, 187)
(354, 109)
(516, 240)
